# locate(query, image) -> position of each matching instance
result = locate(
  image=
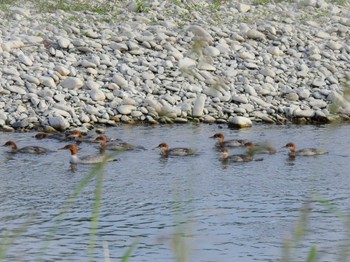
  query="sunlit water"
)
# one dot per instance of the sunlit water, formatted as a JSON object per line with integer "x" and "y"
{"x": 234, "y": 212}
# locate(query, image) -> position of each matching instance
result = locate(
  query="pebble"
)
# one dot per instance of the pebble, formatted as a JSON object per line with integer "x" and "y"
{"x": 25, "y": 59}
{"x": 72, "y": 83}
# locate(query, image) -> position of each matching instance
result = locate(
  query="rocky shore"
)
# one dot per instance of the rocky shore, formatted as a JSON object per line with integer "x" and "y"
{"x": 174, "y": 62}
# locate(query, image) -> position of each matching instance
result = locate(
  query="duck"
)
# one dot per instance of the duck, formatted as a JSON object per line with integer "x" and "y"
{"x": 75, "y": 159}
{"x": 259, "y": 148}
{"x": 79, "y": 137}
{"x": 177, "y": 151}
{"x": 27, "y": 149}
{"x": 303, "y": 152}
{"x": 58, "y": 136}
{"x": 228, "y": 143}
{"x": 113, "y": 145}
{"x": 237, "y": 157}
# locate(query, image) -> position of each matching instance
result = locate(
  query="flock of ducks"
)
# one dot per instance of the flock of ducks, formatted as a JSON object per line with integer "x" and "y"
{"x": 75, "y": 137}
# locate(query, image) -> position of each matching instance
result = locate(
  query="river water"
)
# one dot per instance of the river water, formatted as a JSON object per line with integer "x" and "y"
{"x": 195, "y": 207}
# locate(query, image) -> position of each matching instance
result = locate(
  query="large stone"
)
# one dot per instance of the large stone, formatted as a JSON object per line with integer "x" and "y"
{"x": 120, "y": 80}
{"x": 58, "y": 122}
{"x": 97, "y": 95}
{"x": 239, "y": 122}
{"x": 126, "y": 109}
{"x": 72, "y": 83}
{"x": 201, "y": 33}
{"x": 63, "y": 42}
{"x": 25, "y": 59}
{"x": 198, "y": 106}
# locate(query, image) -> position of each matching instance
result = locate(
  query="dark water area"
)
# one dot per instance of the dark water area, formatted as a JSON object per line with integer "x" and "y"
{"x": 233, "y": 212}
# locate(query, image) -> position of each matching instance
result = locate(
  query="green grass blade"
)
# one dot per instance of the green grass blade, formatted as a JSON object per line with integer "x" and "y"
{"x": 312, "y": 254}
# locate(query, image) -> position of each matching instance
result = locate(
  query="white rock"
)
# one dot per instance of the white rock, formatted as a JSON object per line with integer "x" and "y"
{"x": 274, "y": 50}
{"x": 63, "y": 42}
{"x": 148, "y": 75}
{"x": 126, "y": 109}
{"x": 255, "y": 34}
{"x": 92, "y": 85}
{"x": 176, "y": 54}
{"x": 323, "y": 35}
{"x": 31, "y": 79}
{"x": 25, "y": 59}
{"x": 246, "y": 55}
{"x": 91, "y": 110}
{"x": 7, "y": 46}
{"x": 239, "y": 122}
{"x": 62, "y": 70}
{"x": 268, "y": 72}
{"x": 136, "y": 114}
{"x": 97, "y": 95}
{"x": 334, "y": 45}
{"x": 240, "y": 99}
{"x": 198, "y": 106}
{"x": 260, "y": 102}
{"x": 243, "y": 8}
{"x": 34, "y": 39}
{"x": 211, "y": 51}
{"x": 209, "y": 119}
{"x": 59, "y": 97}
{"x": 16, "y": 89}
{"x": 84, "y": 118}
{"x": 120, "y": 80}
{"x": 168, "y": 64}
{"x": 72, "y": 83}
{"x": 47, "y": 81}
{"x": 58, "y": 123}
{"x": 201, "y": 33}
{"x": 250, "y": 90}
{"x": 304, "y": 113}
{"x": 303, "y": 93}
{"x": 318, "y": 103}
{"x": 10, "y": 70}
{"x": 206, "y": 66}
{"x": 186, "y": 63}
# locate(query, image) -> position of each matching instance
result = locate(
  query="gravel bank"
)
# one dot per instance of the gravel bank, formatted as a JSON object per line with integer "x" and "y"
{"x": 170, "y": 62}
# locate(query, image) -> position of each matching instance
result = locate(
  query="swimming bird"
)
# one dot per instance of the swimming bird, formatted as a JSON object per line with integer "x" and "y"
{"x": 237, "y": 157}
{"x": 259, "y": 148}
{"x": 75, "y": 159}
{"x": 79, "y": 137}
{"x": 227, "y": 143}
{"x": 26, "y": 149}
{"x": 58, "y": 136}
{"x": 113, "y": 145}
{"x": 177, "y": 151}
{"x": 303, "y": 152}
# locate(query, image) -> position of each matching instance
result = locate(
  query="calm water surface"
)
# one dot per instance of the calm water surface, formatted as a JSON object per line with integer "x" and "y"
{"x": 235, "y": 212}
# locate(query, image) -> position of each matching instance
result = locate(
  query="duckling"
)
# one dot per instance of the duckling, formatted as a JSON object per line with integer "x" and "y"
{"x": 259, "y": 148}
{"x": 114, "y": 145}
{"x": 235, "y": 158}
{"x": 26, "y": 149}
{"x": 227, "y": 143}
{"x": 177, "y": 151}
{"x": 79, "y": 137}
{"x": 75, "y": 159}
{"x": 303, "y": 152}
{"x": 58, "y": 136}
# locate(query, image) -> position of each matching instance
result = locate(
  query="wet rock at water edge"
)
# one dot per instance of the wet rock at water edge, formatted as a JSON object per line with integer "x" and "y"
{"x": 239, "y": 122}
